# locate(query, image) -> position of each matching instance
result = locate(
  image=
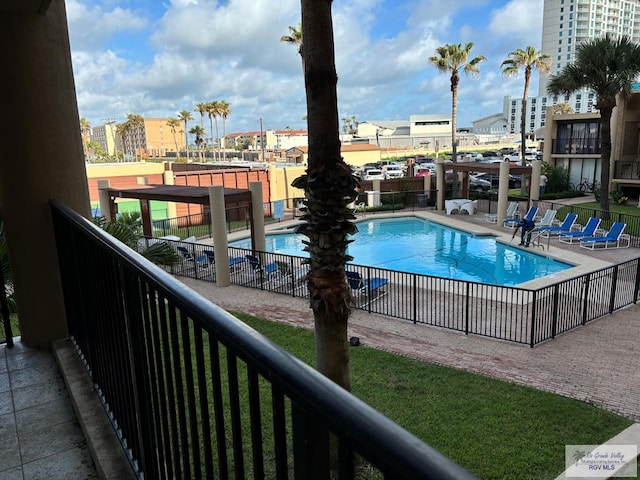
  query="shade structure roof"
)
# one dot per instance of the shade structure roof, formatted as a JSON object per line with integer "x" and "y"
{"x": 178, "y": 194}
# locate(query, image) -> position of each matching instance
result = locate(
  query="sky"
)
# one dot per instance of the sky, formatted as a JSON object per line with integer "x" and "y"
{"x": 156, "y": 58}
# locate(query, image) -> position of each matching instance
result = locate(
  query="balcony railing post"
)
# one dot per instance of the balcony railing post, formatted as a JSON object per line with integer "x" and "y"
{"x": 311, "y": 446}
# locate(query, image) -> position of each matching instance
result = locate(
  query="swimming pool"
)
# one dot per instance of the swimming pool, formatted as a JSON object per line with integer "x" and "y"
{"x": 415, "y": 245}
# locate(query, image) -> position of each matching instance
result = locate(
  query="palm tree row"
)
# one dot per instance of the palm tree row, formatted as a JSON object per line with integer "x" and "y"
{"x": 214, "y": 110}
{"x": 129, "y": 135}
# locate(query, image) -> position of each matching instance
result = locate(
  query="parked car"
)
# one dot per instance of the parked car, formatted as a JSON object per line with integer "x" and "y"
{"x": 507, "y": 151}
{"x": 494, "y": 179}
{"x": 393, "y": 171}
{"x": 373, "y": 174}
{"x": 476, "y": 183}
{"x": 430, "y": 166}
{"x": 423, "y": 172}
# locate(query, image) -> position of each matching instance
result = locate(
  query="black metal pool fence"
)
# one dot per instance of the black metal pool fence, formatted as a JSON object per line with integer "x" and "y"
{"x": 521, "y": 315}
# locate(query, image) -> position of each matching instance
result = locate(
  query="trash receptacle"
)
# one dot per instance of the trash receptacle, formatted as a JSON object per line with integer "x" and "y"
{"x": 422, "y": 200}
{"x": 373, "y": 198}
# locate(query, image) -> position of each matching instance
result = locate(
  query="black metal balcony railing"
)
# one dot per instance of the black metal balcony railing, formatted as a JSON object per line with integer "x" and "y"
{"x": 195, "y": 393}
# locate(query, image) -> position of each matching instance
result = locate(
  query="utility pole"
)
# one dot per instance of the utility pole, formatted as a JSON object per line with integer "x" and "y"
{"x": 262, "y": 141}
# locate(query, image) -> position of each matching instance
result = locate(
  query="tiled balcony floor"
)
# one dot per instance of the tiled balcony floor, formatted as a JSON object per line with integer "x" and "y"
{"x": 39, "y": 435}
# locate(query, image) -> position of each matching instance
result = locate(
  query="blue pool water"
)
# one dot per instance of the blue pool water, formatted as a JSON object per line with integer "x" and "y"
{"x": 419, "y": 246}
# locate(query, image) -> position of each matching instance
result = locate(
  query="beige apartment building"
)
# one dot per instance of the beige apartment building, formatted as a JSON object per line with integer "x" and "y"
{"x": 152, "y": 139}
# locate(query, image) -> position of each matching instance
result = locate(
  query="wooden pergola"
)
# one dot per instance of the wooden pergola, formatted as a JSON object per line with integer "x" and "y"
{"x": 172, "y": 193}
{"x": 479, "y": 167}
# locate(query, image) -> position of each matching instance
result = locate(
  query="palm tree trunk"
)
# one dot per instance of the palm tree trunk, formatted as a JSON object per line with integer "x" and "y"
{"x": 454, "y": 119}
{"x": 329, "y": 186}
{"x": 213, "y": 149}
{"x": 605, "y": 156}
{"x": 217, "y": 137}
{"x": 224, "y": 136}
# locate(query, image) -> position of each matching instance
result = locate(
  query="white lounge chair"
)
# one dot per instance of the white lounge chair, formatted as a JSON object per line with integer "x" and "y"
{"x": 547, "y": 219}
{"x": 512, "y": 210}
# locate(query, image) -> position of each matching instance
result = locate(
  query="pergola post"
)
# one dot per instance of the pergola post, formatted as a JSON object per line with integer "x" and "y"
{"x": 219, "y": 233}
{"x": 503, "y": 191}
{"x": 440, "y": 184}
{"x": 536, "y": 170}
{"x": 257, "y": 222}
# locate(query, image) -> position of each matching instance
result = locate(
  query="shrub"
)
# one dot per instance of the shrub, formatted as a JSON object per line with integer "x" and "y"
{"x": 557, "y": 178}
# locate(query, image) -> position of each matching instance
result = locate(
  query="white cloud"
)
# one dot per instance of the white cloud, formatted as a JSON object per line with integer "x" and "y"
{"x": 162, "y": 58}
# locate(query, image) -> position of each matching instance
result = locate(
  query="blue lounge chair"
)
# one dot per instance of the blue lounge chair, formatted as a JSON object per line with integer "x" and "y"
{"x": 234, "y": 262}
{"x": 197, "y": 260}
{"x": 269, "y": 269}
{"x": 371, "y": 288}
{"x": 565, "y": 226}
{"x": 513, "y": 222}
{"x": 614, "y": 238}
{"x": 588, "y": 231}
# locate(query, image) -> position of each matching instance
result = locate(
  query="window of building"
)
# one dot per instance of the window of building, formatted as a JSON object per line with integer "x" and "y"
{"x": 578, "y": 137}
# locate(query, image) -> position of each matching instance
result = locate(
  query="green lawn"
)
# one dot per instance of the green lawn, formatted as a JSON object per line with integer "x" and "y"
{"x": 495, "y": 429}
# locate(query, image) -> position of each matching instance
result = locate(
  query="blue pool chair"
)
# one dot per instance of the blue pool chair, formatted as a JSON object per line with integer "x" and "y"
{"x": 234, "y": 262}
{"x": 564, "y": 227}
{"x": 588, "y": 231}
{"x": 197, "y": 260}
{"x": 614, "y": 238}
{"x": 514, "y": 222}
{"x": 269, "y": 269}
{"x": 371, "y": 288}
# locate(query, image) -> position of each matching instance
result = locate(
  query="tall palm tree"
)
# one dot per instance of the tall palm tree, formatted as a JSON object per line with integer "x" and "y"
{"x": 224, "y": 111}
{"x": 529, "y": 59}
{"x": 173, "y": 124}
{"x": 123, "y": 130}
{"x": 199, "y": 133}
{"x": 295, "y": 38}
{"x": 136, "y": 122}
{"x": 607, "y": 66}
{"x": 451, "y": 59}
{"x": 212, "y": 112}
{"x": 329, "y": 186}
{"x": 85, "y": 129}
{"x": 184, "y": 116}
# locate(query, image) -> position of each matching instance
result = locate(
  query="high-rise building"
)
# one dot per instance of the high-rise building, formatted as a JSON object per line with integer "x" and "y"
{"x": 566, "y": 24}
